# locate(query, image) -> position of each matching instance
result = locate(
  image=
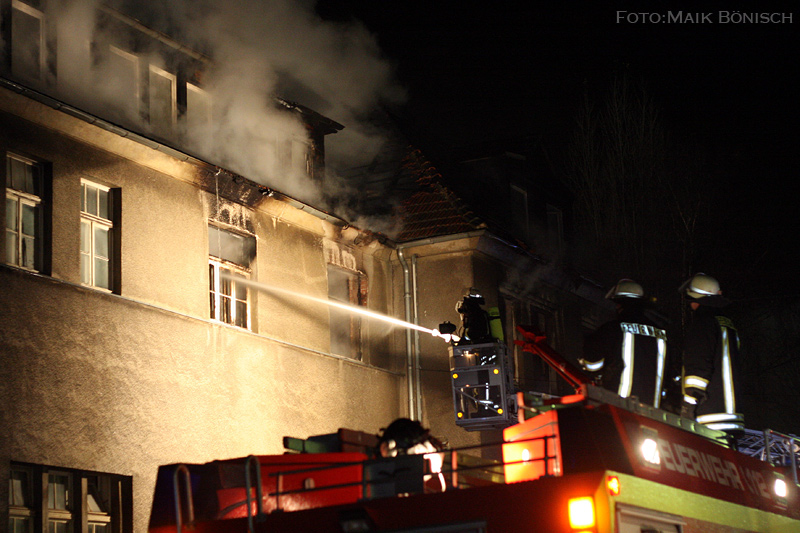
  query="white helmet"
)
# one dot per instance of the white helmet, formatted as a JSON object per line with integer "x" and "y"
{"x": 700, "y": 285}
{"x": 625, "y": 288}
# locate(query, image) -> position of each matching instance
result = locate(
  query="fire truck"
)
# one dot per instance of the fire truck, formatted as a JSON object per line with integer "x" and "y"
{"x": 585, "y": 462}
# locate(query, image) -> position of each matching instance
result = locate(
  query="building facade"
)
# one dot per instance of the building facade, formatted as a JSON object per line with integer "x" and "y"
{"x": 158, "y": 307}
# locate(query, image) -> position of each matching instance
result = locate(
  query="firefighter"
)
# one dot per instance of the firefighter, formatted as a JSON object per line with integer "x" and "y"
{"x": 710, "y": 355}
{"x": 475, "y": 328}
{"x": 628, "y": 355}
{"x": 407, "y": 437}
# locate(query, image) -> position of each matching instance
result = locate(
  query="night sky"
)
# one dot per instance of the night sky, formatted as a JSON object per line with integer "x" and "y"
{"x": 486, "y": 71}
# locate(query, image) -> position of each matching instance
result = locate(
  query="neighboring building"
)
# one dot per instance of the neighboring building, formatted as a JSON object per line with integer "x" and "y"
{"x": 130, "y": 335}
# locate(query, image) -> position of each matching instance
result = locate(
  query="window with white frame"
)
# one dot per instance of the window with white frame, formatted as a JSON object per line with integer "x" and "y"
{"x": 163, "y": 108}
{"x": 23, "y": 215}
{"x": 59, "y": 500}
{"x": 229, "y": 263}
{"x": 27, "y": 41}
{"x": 97, "y": 236}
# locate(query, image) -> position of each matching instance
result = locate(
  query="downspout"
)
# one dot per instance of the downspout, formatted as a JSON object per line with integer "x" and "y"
{"x": 409, "y": 350}
{"x": 417, "y": 380}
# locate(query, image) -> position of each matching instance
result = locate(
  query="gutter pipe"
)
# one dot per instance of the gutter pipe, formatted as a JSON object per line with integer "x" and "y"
{"x": 412, "y": 411}
{"x": 415, "y": 306}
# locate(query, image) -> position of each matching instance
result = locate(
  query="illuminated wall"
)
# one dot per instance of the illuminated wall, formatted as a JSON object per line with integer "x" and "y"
{"x": 121, "y": 382}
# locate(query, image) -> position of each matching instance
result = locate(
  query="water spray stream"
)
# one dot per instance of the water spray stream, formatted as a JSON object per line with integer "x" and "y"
{"x": 331, "y": 303}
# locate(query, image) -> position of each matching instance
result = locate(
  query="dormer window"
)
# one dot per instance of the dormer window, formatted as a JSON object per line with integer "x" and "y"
{"x": 27, "y": 41}
{"x": 163, "y": 108}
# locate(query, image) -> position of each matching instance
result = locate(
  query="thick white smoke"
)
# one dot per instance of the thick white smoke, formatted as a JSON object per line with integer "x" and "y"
{"x": 257, "y": 50}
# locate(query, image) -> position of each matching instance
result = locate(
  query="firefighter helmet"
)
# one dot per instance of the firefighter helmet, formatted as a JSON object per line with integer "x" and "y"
{"x": 625, "y": 288}
{"x": 700, "y": 285}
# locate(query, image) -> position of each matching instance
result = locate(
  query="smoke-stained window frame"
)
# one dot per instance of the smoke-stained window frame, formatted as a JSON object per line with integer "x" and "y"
{"x": 17, "y": 70}
{"x": 135, "y": 104}
{"x": 152, "y": 71}
{"x": 358, "y": 291}
{"x": 307, "y": 152}
{"x": 215, "y": 265}
{"x": 190, "y": 123}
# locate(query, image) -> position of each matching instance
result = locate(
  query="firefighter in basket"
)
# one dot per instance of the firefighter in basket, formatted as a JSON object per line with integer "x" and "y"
{"x": 710, "y": 357}
{"x": 628, "y": 355}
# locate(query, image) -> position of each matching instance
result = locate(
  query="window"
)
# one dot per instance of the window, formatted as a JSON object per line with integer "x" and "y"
{"x": 301, "y": 157}
{"x": 531, "y": 372}
{"x": 23, "y": 213}
{"x": 58, "y": 500}
{"x": 349, "y": 288}
{"x": 123, "y": 81}
{"x": 97, "y": 236}
{"x": 20, "y": 503}
{"x": 519, "y": 210}
{"x": 27, "y": 41}
{"x": 98, "y": 504}
{"x": 230, "y": 257}
{"x": 555, "y": 225}
{"x": 198, "y": 111}
{"x": 162, "y": 100}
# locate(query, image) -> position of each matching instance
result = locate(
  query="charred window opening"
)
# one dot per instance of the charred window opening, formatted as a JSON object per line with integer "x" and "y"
{"x": 98, "y": 243}
{"x": 301, "y": 158}
{"x": 230, "y": 258}
{"x": 349, "y": 288}
{"x": 42, "y": 498}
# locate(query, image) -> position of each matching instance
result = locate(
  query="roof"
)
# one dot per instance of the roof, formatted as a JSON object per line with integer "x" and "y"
{"x": 433, "y": 209}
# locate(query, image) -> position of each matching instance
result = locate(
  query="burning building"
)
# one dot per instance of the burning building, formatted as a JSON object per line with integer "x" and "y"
{"x": 138, "y": 212}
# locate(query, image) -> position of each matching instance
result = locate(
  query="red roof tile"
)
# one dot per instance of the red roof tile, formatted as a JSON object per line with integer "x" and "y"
{"x": 433, "y": 210}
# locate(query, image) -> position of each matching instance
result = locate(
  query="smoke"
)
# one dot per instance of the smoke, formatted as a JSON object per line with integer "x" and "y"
{"x": 242, "y": 54}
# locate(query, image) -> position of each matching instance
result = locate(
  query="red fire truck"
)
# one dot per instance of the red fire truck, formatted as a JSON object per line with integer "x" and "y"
{"x": 587, "y": 462}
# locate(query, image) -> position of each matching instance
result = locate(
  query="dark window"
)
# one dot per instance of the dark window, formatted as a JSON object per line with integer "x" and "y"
{"x": 27, "y": 41}
{"x": 61, "y": 500}
{"x": 24, "y": 213}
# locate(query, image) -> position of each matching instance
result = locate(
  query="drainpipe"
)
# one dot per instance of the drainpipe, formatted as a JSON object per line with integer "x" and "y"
{"x": 412, "y": 406}
{"x": 417, "y": 365}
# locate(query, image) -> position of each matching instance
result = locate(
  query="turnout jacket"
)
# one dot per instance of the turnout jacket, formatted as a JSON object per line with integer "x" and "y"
{"x": 710, "y": 360}
{"x": 630, "y": 354}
